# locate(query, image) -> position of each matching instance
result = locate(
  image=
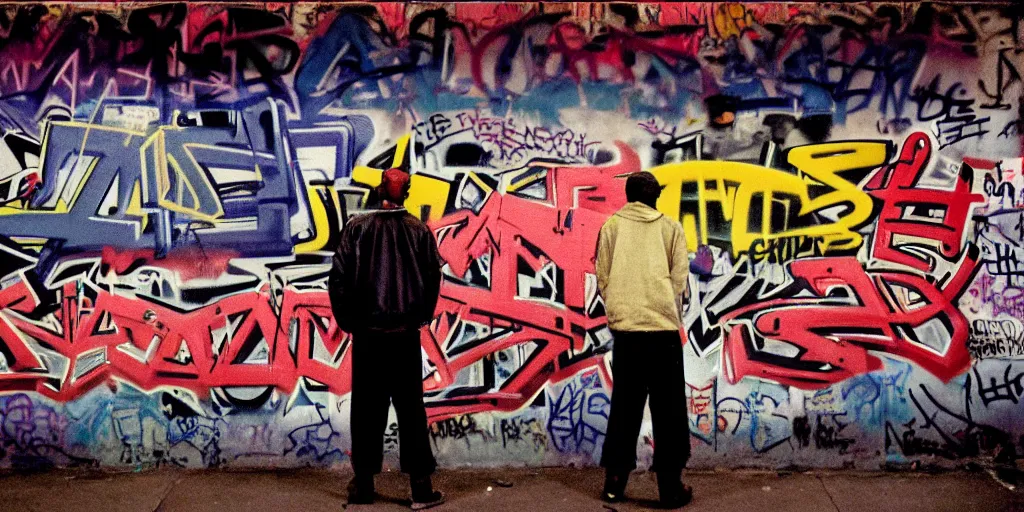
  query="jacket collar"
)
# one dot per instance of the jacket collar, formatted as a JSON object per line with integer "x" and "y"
{"x": 639, "y": 212}
{"x": 379, "y": 211}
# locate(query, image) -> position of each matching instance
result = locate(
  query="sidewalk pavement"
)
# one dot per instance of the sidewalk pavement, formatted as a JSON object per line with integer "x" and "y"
{"x": 529, "y": 490}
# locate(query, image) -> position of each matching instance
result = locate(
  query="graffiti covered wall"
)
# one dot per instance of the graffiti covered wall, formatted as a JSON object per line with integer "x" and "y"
{"x": 173, "y": 178}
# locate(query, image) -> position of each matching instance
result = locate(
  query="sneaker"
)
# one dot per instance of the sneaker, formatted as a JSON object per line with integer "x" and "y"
{"x": 672, "y": 492}
{"x": 614, "y": 487}
{"x": 433, "y": 499}
{"x": 361, "y": 492}
{"x": 679, "y": 499}
{"x": 423, "y": 494}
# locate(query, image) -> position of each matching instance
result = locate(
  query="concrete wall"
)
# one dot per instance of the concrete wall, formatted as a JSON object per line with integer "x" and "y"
{"x": 174, "y": 177}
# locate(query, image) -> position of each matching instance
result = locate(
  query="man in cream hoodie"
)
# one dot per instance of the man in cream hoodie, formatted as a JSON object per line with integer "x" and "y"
{"x": 642, "y": 268}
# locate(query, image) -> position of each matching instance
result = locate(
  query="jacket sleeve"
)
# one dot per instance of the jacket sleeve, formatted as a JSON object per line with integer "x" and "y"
{"x": 680, "y": 265}
{"x": 340, "y": 280}
{"x": 432, "y": 276}
{"x": 603, "y": 260}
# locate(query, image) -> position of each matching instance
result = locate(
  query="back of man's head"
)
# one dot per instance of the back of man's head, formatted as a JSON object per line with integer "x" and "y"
{"x": 643, "y": 187}
{"x": 394, "y": 186}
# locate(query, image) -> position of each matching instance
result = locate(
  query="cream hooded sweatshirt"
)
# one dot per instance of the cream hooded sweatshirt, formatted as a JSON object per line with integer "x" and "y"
{"x": 642, "y": 269}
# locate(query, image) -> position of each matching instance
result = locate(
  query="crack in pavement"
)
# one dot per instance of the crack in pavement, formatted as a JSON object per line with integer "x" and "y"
{"x": 160, "y": 504}
{"x": 827, "y": 493}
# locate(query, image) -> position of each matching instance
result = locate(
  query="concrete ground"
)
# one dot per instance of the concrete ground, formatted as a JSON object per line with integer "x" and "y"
{"x": 501, "y": 490}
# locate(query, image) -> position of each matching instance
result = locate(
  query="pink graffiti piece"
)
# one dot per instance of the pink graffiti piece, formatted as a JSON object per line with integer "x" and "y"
{"x": 532, "y": 230}
{"x": 241, "y": 341}
{"x": 549, "y": 227}
{"x": 822, "y": 339}
{"x": 911, "y": 211}
{"x": 577, "y": 200}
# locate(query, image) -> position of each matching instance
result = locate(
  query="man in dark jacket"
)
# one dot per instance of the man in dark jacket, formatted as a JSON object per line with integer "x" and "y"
{"x": 384, "y": 286}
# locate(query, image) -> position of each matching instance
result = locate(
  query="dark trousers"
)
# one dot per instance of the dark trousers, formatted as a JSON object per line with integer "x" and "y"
{"x": 647, "y": 363}
{"x": 387, "y": 368}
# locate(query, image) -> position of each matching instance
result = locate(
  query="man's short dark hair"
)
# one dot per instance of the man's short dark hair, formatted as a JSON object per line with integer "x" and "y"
{"x": 642, "y": 187}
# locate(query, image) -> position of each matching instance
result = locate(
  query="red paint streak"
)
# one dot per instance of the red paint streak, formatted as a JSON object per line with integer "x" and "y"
{"x": 488, "y": 16}
{"x": 188, "y": 262}
{"x": 700, "y": 398}
{"x": 980, "y": 163}
{"x": 393, "y": 15}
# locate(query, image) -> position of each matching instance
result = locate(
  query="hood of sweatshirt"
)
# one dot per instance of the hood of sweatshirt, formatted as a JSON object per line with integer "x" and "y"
{"x": 639, "y": 212}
